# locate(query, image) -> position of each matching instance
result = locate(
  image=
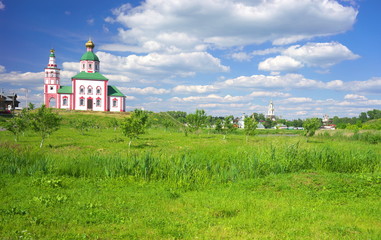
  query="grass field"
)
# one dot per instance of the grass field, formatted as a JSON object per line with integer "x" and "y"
{"x": 200, "y": 186}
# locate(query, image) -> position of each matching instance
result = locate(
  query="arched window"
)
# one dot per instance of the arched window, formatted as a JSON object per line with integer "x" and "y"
{"x": 89, "y": 90}
{"x": 81, "y": 90}
{"x": 64, "y": 101}
{"x": 115, "y": 102}
{"x": 89, "y": 65}
{"x": 98, "y": 102}
{"x": 99, "y": 89}
{"x": 82, "y": 101}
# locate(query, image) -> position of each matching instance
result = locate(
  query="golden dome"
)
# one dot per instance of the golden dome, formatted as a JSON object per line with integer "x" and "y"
{"x": 90, "y": 44}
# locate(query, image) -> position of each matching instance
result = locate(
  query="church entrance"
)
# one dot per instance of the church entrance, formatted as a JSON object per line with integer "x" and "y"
{"x": 89, "y": 104}
{"x": 52, "y": 103}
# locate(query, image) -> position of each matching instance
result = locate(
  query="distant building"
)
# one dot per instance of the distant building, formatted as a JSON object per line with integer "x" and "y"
{"x": 327, "y": 123}
{"x": 241, "y": 121}
{"x": 89, "y": 89}
{"x": 326, "y": 120}
{"x": 8, "y": 101}
{"x": 271, "y": 111}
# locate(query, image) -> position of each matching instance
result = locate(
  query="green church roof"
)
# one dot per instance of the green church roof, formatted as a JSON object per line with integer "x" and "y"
{"x": 65, "y": 89}
{"x": 113, "y": 91}
{"x": 89, "y": 56}
{"x": 90, "y": 76}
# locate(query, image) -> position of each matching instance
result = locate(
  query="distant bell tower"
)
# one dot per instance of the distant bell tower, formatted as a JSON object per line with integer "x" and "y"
{"x": 271, "y": 110}
{"x": 51, "y": 82}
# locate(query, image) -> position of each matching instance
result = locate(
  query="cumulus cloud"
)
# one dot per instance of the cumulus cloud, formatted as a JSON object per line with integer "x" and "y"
{"x": 280, "y": 63}
{"x": 144, "y": 91}
{"x": 280, "y": 81}
{"x": 209, "y": 98}
{"x": 372, "y": 86}
{"x": 269, "y": 94}
{"x": 355, "y": 97}
{"x": 18, "y": 78}
{"x": 241, "y": 56}
{"x": 320, "y": 54}
{"x": 90, "y": 21}
{"x": 298, "y": 81}
{"x": 194, "y": 88}
{"x": 2, "y": 6}
{"x": 155, "y": 65}
{"x": 2, "y": 69}
{"x": 298, "y": 100}
{"x": 173, "y": 25}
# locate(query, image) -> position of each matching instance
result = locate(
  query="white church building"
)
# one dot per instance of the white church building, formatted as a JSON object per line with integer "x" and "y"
{"x": 89, "y": 89}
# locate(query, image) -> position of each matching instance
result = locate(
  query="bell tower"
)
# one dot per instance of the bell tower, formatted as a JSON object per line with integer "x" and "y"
{"x": 51, "y": 82}
{"x": 270, "y": 112}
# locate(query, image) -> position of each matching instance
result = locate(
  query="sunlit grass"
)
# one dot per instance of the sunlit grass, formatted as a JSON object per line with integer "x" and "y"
{"x": 200, "y": 186}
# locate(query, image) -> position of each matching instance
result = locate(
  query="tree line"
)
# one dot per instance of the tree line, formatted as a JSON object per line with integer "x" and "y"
{"x": 44, "y": 122}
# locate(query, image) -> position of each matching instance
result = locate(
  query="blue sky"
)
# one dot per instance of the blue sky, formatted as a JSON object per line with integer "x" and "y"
{"x": 311, "y": 57}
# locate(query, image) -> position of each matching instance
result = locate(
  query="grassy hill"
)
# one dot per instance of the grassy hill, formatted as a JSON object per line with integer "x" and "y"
{"x": 201, "y": 186}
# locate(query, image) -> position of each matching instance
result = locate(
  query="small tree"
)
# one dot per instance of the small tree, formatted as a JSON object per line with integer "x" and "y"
{"x": 311, "y": 125}
{"x": 135, "y": 125}
{"x": 218, "y": 125}
{"x": 31, "y": 106}
{"x": 44, "y": 122}
{"x": 250, "y": 127}
{"x": 114, "y": 123}
{"x": 228, "y": 125}
{"x": 82, "y": 125}
{"x": 18, "y": 124}
{"x": 196, "y": 120}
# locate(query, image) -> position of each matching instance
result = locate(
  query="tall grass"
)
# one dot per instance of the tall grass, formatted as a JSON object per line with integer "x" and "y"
{"x": 191, "y": 167}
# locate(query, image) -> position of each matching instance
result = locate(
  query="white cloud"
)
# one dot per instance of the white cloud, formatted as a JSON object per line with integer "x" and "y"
{"x": 144, "y": 91}
{"x": 154, "y": 99}
{"x": 241, "y": 56}
{"x": 372, "y": 86}
{"x": 90, "y": 21}
{"x": 298, "y": 100}
{"x": 269, "y": 94}
{"x": 210, "y": 98}
{"x": 2, "y": 69}
{"x": 320, "y": 54}
{"x": 18, "y": 78}
{"x": 155, "y": 65}
{"x": 118, "y": 78}
{"x": 194, "y": 88}
{"x": 279, "y": 81}
{"x": 188, "y": 25}
{"x": 130, "y": 98}
{"x": 280, "y": 63}
{"x": 301, "y": 113}
{"x": 2, "y": 6}
{"x": 354, "y": 97}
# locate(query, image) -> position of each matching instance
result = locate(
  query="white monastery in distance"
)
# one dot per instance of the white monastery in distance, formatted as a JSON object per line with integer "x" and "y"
{"x": 89, "y": 90}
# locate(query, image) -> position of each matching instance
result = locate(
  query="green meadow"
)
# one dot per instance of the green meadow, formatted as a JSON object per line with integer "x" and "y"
{"x": 87, "y": 184}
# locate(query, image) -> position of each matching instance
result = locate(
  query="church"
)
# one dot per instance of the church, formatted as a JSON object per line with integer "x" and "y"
{"x": 89, "y": 89}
